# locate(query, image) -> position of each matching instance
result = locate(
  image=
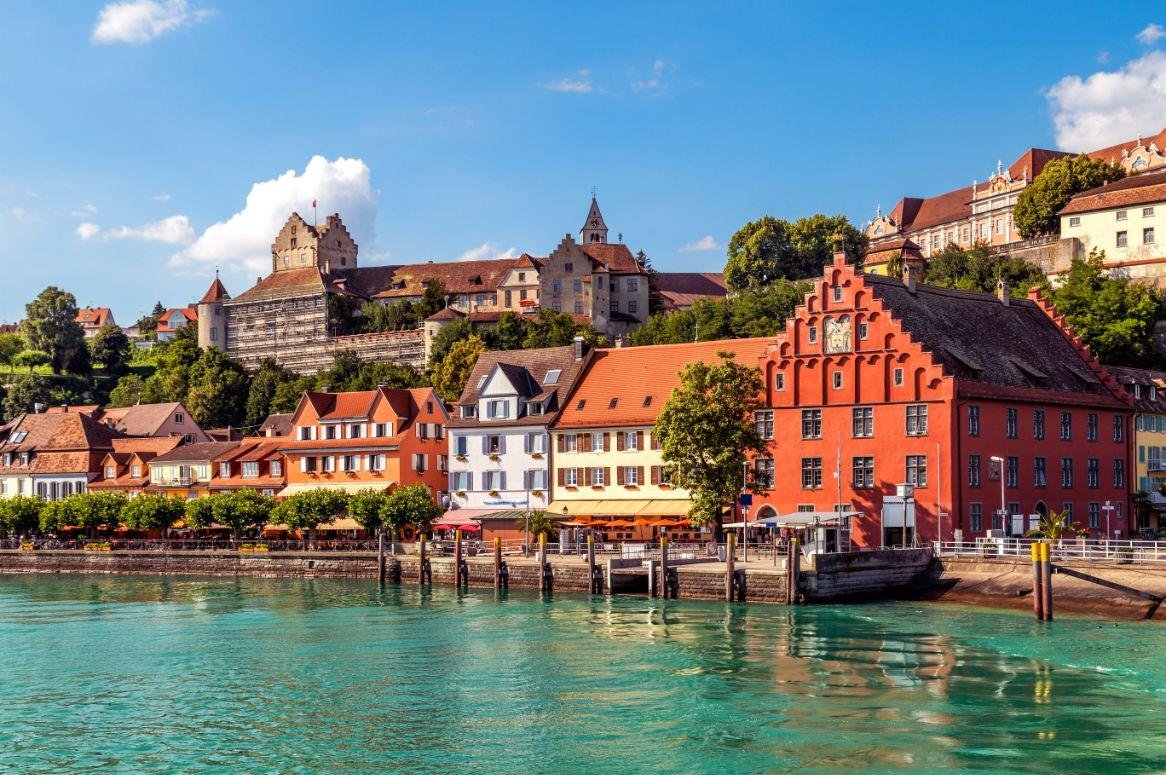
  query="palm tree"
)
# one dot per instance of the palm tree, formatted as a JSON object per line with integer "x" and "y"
{"x": 1054, "y": 527}
{"x": 540, "y": 523}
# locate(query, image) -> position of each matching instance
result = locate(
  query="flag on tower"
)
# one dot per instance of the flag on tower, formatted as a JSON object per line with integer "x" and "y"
{"x": 313, "y": 203}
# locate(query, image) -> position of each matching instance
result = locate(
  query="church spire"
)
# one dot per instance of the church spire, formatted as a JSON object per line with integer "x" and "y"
{"x": 594, "y": 229}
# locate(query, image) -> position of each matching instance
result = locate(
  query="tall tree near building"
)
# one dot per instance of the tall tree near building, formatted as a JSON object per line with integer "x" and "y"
{"x": 20, "y": 514}
{"x": 242, "y": 509}
{"x": 111, "y": 348}
{"x": 264, "y": 382}
{"x": 444, "y": 339}
{"x": 706, "y": 432}
{"x": 152, "y": 512}
{"x": 10, "y": 345}
{"x": 50, "y": 324}
{"x": 655, "y": 300}
{"x": 557, "y": 329}
{"x": 449, "y": 377}
{"x": 771, "y": 249}
{"x": 508, "y": 333}
{"x": 432, "y": 299}
{"x": 24, "y": 393}
{"x": 175, "y": 360}
{"x": 1115, "y": 316}
{"x": 366, "y": 507}
{"x": 1037, "y": 205}
{"x": 761, "y": 312}
{"x": 217, "y": 395}
{"x": 306, "y": 511}
{"x": 412, "y": 505}
{"x": 31, "y": 359}
{"x": 978, "y": 269}
{"x": 93, "y": 510}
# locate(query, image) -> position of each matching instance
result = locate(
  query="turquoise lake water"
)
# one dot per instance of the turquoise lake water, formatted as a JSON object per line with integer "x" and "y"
{"x": 223, "y": 675}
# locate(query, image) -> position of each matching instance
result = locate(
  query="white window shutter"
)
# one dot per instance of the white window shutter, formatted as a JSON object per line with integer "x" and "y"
{"x": 303, "y": 465}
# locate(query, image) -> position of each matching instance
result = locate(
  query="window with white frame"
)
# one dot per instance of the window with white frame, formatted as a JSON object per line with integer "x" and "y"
{"x": 462, "y": 481}
{"x": 571, "y": 477}
{"x": 251, "y": 469}
{"x": 917, "y": 420}
{"x": 276, "y": 467}
{"x": 597, "y": 477}
{"x": 225, "y": 470}
{"x": 631, "y": 440}
{"x": 348, "y": 463}
{"x": 377, "y": 462}
{"x": 631, "y": 476}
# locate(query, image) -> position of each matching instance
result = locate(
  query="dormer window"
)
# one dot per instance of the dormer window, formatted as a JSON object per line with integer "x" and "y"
{"x": 1137, "y": 390}
{"x": 19, "y": 436}
{"x": 552, "y": 377}
{"x": 136, "y": 472}
{"x": 24, "y": 458}
{"x": 534, "y": 407}
{"x": 497, "y": 410}
{"x": 110, "y": 472}
{"x": 469, "y": 411}
{"x": 482, "y": 381}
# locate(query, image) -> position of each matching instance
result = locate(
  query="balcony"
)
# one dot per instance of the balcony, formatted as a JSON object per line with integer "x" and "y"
{"x": 1156, "y": 466}
{"x": 173, "y": 481}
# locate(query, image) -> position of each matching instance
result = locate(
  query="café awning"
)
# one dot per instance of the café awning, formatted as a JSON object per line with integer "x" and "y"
{"x": 351, "y": 488}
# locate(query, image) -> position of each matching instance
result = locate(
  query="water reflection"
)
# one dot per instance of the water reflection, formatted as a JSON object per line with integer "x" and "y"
{"x": 322, "y": 675}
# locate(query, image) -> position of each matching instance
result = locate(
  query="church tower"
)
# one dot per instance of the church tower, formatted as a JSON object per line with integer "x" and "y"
{"x": 594, "y": 230}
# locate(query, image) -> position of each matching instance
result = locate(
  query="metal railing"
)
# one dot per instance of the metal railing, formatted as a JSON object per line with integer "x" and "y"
{"x": 1070, "y": 549}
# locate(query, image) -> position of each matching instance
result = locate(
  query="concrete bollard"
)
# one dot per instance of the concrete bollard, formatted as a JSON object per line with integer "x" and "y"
{"x": 1047, "y": 579}
{"x": 729, "y": 568}
{"x": 497, "y": 564}
{"x": 1038, "y": 595}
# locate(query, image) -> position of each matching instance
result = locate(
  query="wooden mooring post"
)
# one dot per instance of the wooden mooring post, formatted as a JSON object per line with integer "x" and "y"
{"x": 591, "y": 564}
{"x": 1038, "y": 594}
{"x": 729, "y": 572}
{"x": 664, "y": 589}
{"x": 424, "y": 560}
{"x": 381, "y": 557}
{"x": 497, "y": 563}
{"x": 459, "y": 571}
{"x": 1047, "y": 579}
{"x": 793, "y": 571}
{"x": 542, "y": 562}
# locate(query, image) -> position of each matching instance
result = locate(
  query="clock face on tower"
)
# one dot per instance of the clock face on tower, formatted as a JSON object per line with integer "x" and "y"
{"x": 594, "y": 222}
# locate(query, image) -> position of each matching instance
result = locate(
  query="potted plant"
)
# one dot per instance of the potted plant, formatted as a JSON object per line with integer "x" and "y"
{"x": 536, "y": 493}
{"x": 495, "y": 456}
{"x": 536, "y": 455}
{"x": 460, "y": 457}
{"x": 460, "y": 493}
{"x": 493, "y": 493}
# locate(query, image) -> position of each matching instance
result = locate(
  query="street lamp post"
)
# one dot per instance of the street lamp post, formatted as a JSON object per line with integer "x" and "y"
{"x": 1003, "y": 511}
{"x": 1107, "y": 508}
{"x": 744, "y": 512}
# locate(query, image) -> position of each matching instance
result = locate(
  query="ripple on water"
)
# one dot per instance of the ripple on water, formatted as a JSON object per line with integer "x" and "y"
{"x": 213, "y": 675}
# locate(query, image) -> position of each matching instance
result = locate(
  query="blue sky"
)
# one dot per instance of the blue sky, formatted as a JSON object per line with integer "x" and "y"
{"x": 131, "y": 129}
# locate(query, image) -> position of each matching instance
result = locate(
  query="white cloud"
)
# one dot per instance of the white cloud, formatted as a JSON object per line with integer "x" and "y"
{"x": 487, "y": 250}
{"x": 1108, "y": 107}
{"x": 21, "y": 214}
{"x": 85, "y": 210}
{"x": 707, "y": 242}
{"x": 1151, "y": 34}
{"x": 582, "y": 85}
{"x": 87, "y": 230}
{"x": 161, "y": 198}
{"x": 655, "y": 82}
{"x": 140, "y": 21}
{"x": 175, "y": 230}
{"x": 243, "y": 241}
{"x": 1103, "y": 57}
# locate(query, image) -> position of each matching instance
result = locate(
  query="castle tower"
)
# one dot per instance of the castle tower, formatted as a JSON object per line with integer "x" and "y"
{"x": 301, "y": 245}
{"x": 594, "y": 229}
{"x": 212, "y": 322}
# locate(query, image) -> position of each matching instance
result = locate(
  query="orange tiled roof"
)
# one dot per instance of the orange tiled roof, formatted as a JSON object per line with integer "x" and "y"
{"x": 1134, "y": 190}
{"x": 615, "y": 257}
{"x": 1113, "y": 153}
{"x": 189, "y": 314}
{"x": 142, "y": 419}
{"x": 342, "y": 406}
{"x": 633, "y": 375}
{"x": 216, "y": 293}
{"x": 93, "y": 317}
{"x": 457, "y": 277}
{"x": 280, "y": 284}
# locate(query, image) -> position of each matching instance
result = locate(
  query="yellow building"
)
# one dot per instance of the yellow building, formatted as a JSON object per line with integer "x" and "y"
{"x": 1127, "y": 220}
{"x": 606, "y": 468}
{"x": 185, "y": 472}
{"x": 1148, "y": 389}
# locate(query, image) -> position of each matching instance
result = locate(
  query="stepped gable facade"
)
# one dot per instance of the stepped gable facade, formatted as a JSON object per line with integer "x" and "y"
{"x": 881, "y": 383}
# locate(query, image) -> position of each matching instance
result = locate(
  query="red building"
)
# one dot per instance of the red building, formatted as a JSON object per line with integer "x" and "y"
{"x": 877, "y": 383}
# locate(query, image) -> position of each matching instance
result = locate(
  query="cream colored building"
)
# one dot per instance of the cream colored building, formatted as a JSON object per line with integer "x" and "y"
{"x": 1127, "y": 220}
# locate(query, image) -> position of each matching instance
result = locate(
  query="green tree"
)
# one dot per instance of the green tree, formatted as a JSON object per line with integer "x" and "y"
{"x": 55, "y": 515}
{"x": 759, "y": 253}
{"x": 31, "y": 359}
{"x": 111, "y": 348}
{"x": 24, "y": 392}
{"x": 92, "y": 510}
{"x": 10, "y": 345}
{"x": 706, "y": 432}
{"x": 387, "y": 373}
{"x": 288, "y": 394}
{"x": 242, "y": 509}
{"x": 218, "y": 390}
{"x": 50, "y": 324}
{"x": 152, "y": 512}
{"x": 175, "y": 360}
{"x": 20, "y": 514}
{"x": 557, "y": 329}
{"x": 1037, "y": 206}
{"x": 814, "y": 240}
{"x": 448, "y": 335}
{"x": 750, "y": 313}
{"x": 200, "y": 512}
{"x": 432, "y": 299}
{"x": 345, "y": 371}
{"x": 306, "y": 511}
{"x": 412, "y": 505}
{"x": 264, "y": 384}
{"x": 366, "y": 507}
{"x": 979, "y": 269}
{"x": 1113, "y": 315}
{"x": 449, "y": 377}
{"x": 508, "y": 333}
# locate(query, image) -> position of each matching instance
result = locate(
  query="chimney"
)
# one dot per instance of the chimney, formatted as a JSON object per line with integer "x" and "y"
{"x": 327, "y": 266}
{"x": 912, "y": 270}
{"x": 578, "y": 347}
{"x": 619, "y": 341}
{"x": 1002, "y": 292}
{"x": 839, "y": 258}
